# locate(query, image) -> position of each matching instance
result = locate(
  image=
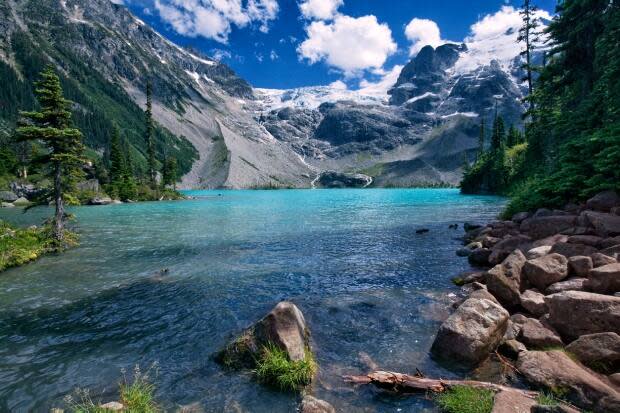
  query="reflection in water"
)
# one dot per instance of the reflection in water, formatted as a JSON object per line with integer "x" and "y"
{"x": 372, "y": 290}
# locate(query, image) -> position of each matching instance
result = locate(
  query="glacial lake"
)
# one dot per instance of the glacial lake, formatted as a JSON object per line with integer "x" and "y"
{"x": 368, "y": 285}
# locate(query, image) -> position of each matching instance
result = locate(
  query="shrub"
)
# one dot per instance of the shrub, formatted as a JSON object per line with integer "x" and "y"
{"x": 276, "y": 369}
{"x": 465, "y": 399}
{"x": 20, "y": 246}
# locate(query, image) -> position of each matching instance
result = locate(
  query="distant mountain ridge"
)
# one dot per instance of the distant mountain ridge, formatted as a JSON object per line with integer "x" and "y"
{"x": 228, "y": 134}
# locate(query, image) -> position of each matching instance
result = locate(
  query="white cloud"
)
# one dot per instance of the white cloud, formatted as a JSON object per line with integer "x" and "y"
{"x": 494, "y": 37}
{"x": 273, "y": 55}
{"x": 381, "y": 87}
{"x": 338, "y": 85}
{"x": 320, "y": 9}
{"x": 349, "y": 44}
{"x": 422, "y": 32}
{"x": 213, "y": 19}
{"x": 118, "y": 1}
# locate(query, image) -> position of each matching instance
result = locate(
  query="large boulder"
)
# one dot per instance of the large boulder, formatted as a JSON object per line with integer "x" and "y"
{"x": 284, "y": 327}
{"x": 104, "y": 200}
{"x": 505, "y": 247}
{"x": 507, "y": 401}
{"x": 577, "y": 313}
{"x": 571, "y": 250}
{"x": 333, "y": 179}
{"x": 544, "y": 271}
{"x": 541, "y": 227}
{"x": 604, "y": 280}
{"x": 597, "y": 350}
{"x": 534, "y": 303}
{"x": 504, "y": 280}
{"x": 556, "y": 372}
{"x": 538, "y": 252}
{"x": 479, "y": 257}
{"x": 599, "y": 260}
{"x": 580, "y": 266}
{"x": 311, "y": 404}
{"x": 591, "y": 240}
{"x": 604, "y": 224}
{"x": 609, "y": 242}
{"x": 8, "y": 196}
{"x": 471, "y": 332}
{"x": 604, "y": 201}
{"x": 572, "y": 284}
{"x": 537, "y": 336}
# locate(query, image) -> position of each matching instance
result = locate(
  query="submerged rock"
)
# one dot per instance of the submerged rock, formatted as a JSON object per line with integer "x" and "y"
{"x": 311, "y": 404}
{"x": 471, "y": 332}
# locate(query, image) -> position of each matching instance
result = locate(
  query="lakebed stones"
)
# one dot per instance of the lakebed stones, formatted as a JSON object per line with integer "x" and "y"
{"x": 471, "y": 332}
{"x": 283, "y": 327}
{"x": 555, "y": 371}
{"x": 311, "y": 404}
{"x": 544, "y": 271}
{"x": 605, "y": 279}
{"x": 576, "y": 313}
{"x": 597, "y": 350}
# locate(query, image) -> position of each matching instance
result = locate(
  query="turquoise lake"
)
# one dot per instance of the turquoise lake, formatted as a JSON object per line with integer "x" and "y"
{"x": 368, "y": 285}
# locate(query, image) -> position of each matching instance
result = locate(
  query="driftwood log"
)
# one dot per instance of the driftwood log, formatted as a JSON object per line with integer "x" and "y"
{"x": 404, "y": 383}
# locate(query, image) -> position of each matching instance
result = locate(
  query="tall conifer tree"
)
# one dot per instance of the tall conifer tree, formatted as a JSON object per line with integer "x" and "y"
{"x": 150, "y": 144}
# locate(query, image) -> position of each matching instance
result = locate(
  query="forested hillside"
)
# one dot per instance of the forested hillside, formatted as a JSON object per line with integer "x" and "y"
{"x": 572, "y": 142}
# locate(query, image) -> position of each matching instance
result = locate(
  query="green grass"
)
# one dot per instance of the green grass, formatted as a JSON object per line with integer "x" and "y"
{"x": 276, "y": 369}
{"x": 136, "y": 397}
{"x": 547, "y": 399}
{"x": 464, "y": 399}
{"x": 20, "y": 246}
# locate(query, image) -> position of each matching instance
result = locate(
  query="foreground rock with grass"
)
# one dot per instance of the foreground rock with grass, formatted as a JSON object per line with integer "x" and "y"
{"x": 277, "y": 348}
{"x": 554, "y": 283}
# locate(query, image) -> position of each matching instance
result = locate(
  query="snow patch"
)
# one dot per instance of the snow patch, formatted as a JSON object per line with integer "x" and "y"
{"x": 193, "y": 75}
{"x": 424, "y": 96}
{"x": 466, "y": 114}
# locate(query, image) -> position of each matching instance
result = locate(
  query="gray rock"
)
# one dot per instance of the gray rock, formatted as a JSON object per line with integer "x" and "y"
{"x": 604, "y": 224}
{"x": 311, "y": 404}
{"x": 544, "y": 271}
{"x": 471, "y": 332}
{"x": 553, "y": 370}
{"x": 333, "y": 179}
{"x": 603, "y": 201}
{"x": 511, "y": 348}
{"x": 537, "y": 336}
{"x": 609, "y": 242}
{"x": 483, "y": 294}
{"x": 534, "y": 302}
{"x": 538, "y": 252}
{"x": 504, "y": 280}
{"x": 8, "y": 196}
{"x": 600, "y": 260}
{"x": 512, "y": 402}
{"x": 100, "y": 201}
{"x": 542, "y": 227}
{"x": 21, "y": 201}
{"x": 580, "y": 266}
{"x": 604, "y": 280}
{"x": 591, "y": 240}
{"x": 571, "y": 250}
{"x": 520, "y": 217}
{"x": 572, "y": 284}
{"x": 112, "y": 406}
{"x": 504, "y": 248}
{"x": 602, "y": 349}
{"x": 612, "y": 251}
{"x": 577, "y": 313}
{"x": 479, "y": 257}
{"x": 6, "y": 205}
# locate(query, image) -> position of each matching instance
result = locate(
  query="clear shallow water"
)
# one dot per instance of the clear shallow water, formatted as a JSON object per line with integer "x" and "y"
{"x": 350, "y": 259}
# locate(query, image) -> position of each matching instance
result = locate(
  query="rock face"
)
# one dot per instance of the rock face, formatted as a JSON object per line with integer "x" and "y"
{"x": 504, "y": 280}
{"x": 332, "y": 179}
{"x": 536, "y": 336}
{"x": 544, "y": 271}
{"x": 604, "y": 280}
{"x": 555, "y": 371}
{"x": 604, "y": 201}
{"x": 284, "y": 327}
{"x": 311, "y": 404}
{"x": 474, "y": 330}
{"x": 577, "y": 313}
{"x": 602, "y": 349}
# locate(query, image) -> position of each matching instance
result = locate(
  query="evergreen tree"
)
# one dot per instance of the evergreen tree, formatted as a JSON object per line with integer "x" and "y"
{"x": 498, "y": 136}
{"x": 117, "y": 160}
{"x": 513, "y": 137}
{"x": 150, "y": 144}
{"x": 481, "y": 138}
{"x": 528, "y": 35}
{"x": 52, "y": 126}
{"x": 170, "y": 172}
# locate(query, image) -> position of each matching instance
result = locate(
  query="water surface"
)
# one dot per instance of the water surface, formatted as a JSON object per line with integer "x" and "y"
{"x": 368, "y": 285}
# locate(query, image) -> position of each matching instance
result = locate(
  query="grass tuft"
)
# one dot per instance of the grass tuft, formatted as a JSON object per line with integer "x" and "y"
{"x": 547, "y": 399}
{"x": 276, "y": 369}
{"x": 465, "y": 399}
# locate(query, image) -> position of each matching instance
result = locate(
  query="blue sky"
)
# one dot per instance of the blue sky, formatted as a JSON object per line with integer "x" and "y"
{"x": 293, "y": 43}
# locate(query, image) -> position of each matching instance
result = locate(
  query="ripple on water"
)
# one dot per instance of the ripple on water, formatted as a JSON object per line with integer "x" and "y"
{"x": 373, "y": 292}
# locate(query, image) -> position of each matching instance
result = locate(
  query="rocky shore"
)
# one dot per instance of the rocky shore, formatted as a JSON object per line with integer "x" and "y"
{"x": 547, "y": 297}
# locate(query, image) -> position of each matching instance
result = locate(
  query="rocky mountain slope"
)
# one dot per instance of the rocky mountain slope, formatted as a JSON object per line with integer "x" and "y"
{"x": 228, "y": 134}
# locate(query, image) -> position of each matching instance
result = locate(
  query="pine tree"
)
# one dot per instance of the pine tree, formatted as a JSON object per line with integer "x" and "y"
{"x": 150, "y": 144}
{"x": 117, "y": 160}
{"x": 170, "y": 172}
{"x": 128, "y": 189}
{"x": 529, "y": 36}
{"x": 481, "y": 138}
{"x": 498, "y": 136}
{"x": 513, "y": 137}
{"x": 52, "y": 126}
